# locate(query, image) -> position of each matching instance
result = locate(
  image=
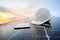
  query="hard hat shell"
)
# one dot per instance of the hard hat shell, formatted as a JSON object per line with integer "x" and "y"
{"x": 42, "y": 14}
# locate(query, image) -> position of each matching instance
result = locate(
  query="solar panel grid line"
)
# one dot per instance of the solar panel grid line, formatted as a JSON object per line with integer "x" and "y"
{"x": 13, "y": 35}
{"x": 37, "y": 37}
{"x": 46, "y": 34}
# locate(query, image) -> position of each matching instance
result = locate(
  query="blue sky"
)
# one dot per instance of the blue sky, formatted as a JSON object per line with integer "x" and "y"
{"x": 52, "y": 5}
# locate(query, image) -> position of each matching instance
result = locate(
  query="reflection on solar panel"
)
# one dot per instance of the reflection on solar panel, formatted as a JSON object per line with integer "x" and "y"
{"x": 34, "y": 33}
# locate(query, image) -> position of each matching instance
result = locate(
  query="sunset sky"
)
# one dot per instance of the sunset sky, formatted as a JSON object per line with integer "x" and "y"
{"x": 33, "y": 5}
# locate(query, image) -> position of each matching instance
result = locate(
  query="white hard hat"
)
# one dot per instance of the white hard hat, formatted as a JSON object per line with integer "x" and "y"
{"x": 42, "y": 14}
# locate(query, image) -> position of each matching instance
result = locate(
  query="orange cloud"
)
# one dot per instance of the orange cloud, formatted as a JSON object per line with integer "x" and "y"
{"x": 21, "y": 13}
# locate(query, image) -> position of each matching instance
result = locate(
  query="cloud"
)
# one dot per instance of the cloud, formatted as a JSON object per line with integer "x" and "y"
{"x": 33, "y": 5}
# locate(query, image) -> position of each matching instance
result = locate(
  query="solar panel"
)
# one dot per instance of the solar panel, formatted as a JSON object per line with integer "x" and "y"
{"x": 33, "y": 33}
